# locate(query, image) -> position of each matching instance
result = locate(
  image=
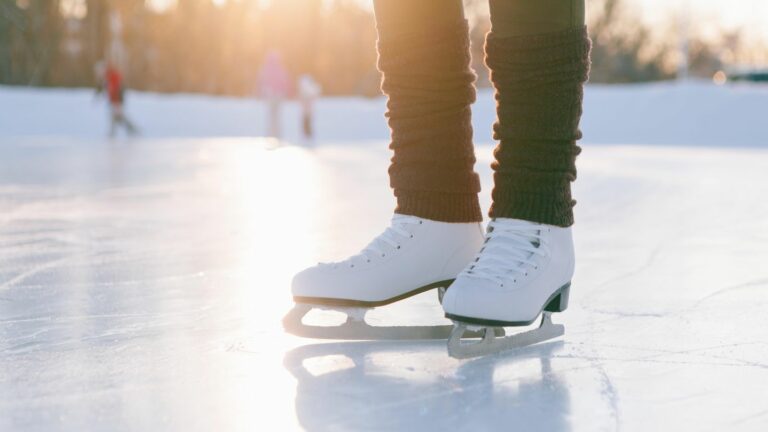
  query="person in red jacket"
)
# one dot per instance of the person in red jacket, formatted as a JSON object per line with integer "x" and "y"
{"x": 112, "y": 83}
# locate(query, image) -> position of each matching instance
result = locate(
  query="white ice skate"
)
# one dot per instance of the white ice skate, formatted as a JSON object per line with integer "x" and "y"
{"x": 523, "y": 270}
{"x": 411, "y": 256}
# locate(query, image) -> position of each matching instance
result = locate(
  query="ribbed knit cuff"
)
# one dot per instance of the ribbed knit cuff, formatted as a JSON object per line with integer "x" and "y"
{"x": 547, "y": 208}
{"x": 539, "y": 90}
{"x": 439, "y": 206}
{"x": 429, "y": 83}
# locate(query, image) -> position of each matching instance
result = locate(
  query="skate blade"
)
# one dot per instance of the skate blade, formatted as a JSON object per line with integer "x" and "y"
{"x": 491, "y": 344}
{"x": 355, "y": 328}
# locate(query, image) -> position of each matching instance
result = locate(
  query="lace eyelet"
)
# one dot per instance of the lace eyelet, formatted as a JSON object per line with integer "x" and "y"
{"x": 351, "y": 265}
{"x": 421, "y": 222}
{"x": 398, "y": 246}
{"x": 367, "y": 260}
{"x": 411, "y": 236}
{"x": 383, "y": 255}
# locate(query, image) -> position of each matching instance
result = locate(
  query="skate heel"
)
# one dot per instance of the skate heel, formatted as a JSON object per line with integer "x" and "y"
{"x": 559, "y": 302}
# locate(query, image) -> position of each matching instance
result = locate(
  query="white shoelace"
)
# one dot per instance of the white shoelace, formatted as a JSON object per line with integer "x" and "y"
{"x": 509, "y": 251}
{"x": 392, "y": 237}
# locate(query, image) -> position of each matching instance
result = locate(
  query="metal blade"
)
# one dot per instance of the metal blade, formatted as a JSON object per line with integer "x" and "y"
{"x": 358, "y": 329}
{"x": 491, "y": 344}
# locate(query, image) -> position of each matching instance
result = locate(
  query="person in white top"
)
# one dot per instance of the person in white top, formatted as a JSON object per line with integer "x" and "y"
{"x": 308, "y": 91}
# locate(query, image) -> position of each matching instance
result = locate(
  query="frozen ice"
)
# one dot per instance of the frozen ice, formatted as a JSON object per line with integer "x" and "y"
{"x": 142, "y": 284}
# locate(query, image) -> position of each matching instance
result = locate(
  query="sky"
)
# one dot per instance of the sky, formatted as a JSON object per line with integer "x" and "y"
{"x": 750, "y": 15}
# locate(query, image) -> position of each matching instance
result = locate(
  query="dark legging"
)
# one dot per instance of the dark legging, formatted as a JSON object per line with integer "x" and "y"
{"x": 538, "y": 54}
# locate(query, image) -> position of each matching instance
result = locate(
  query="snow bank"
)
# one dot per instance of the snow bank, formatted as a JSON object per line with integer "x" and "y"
{"x": 696, "y": 113}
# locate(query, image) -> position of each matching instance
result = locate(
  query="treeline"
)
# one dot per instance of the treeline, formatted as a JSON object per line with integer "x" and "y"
{"x": 194, "y": 46}
{"x": 217, "y": 46}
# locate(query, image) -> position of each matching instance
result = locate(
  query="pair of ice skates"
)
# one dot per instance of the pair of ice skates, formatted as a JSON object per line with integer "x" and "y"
{"x": 522, "y": 270}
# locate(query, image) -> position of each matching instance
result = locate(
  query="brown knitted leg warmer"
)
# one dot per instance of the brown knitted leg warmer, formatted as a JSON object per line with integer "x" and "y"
{"x": 539, "y": 90}
{"x": 430, "y": 88}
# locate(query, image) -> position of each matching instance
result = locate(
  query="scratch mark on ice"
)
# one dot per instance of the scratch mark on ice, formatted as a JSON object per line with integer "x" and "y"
{"x": 24, "y": 275}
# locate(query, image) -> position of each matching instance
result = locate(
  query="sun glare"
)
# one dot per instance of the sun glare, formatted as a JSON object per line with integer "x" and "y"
{"x": 73, "y": 8}
{"x": 720, "y": 78}
{"x": 161, "y": 5}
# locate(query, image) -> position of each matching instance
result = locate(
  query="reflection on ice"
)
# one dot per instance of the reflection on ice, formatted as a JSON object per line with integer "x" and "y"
{"x": 396, "y": 386}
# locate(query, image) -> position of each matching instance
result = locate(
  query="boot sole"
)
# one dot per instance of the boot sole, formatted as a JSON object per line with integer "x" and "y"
{"x": 557, "y": 302}
{"x": 329, "y": 301}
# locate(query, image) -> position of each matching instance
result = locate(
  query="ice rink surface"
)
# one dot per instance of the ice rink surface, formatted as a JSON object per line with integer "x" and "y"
{"x": 142, "y": 285}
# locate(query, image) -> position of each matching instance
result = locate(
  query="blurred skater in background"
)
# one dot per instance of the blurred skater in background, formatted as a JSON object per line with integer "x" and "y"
{"x": 308, "y": 91}
{"x": 274, "y": 86}
{"x": 110, "y": 79}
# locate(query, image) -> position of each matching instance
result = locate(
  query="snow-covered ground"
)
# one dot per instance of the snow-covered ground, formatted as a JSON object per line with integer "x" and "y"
{"x": 142, "y": 282}
{"x": 696, "y": 113}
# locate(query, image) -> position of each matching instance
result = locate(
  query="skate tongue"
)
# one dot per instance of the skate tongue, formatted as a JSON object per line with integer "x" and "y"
{"x": 389, "y": 239}
{"x": 398, "y": 218}
{"x": 512, "y": 222}
{"x": 511, "y": 242}
{"x": 506, "y": 224}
